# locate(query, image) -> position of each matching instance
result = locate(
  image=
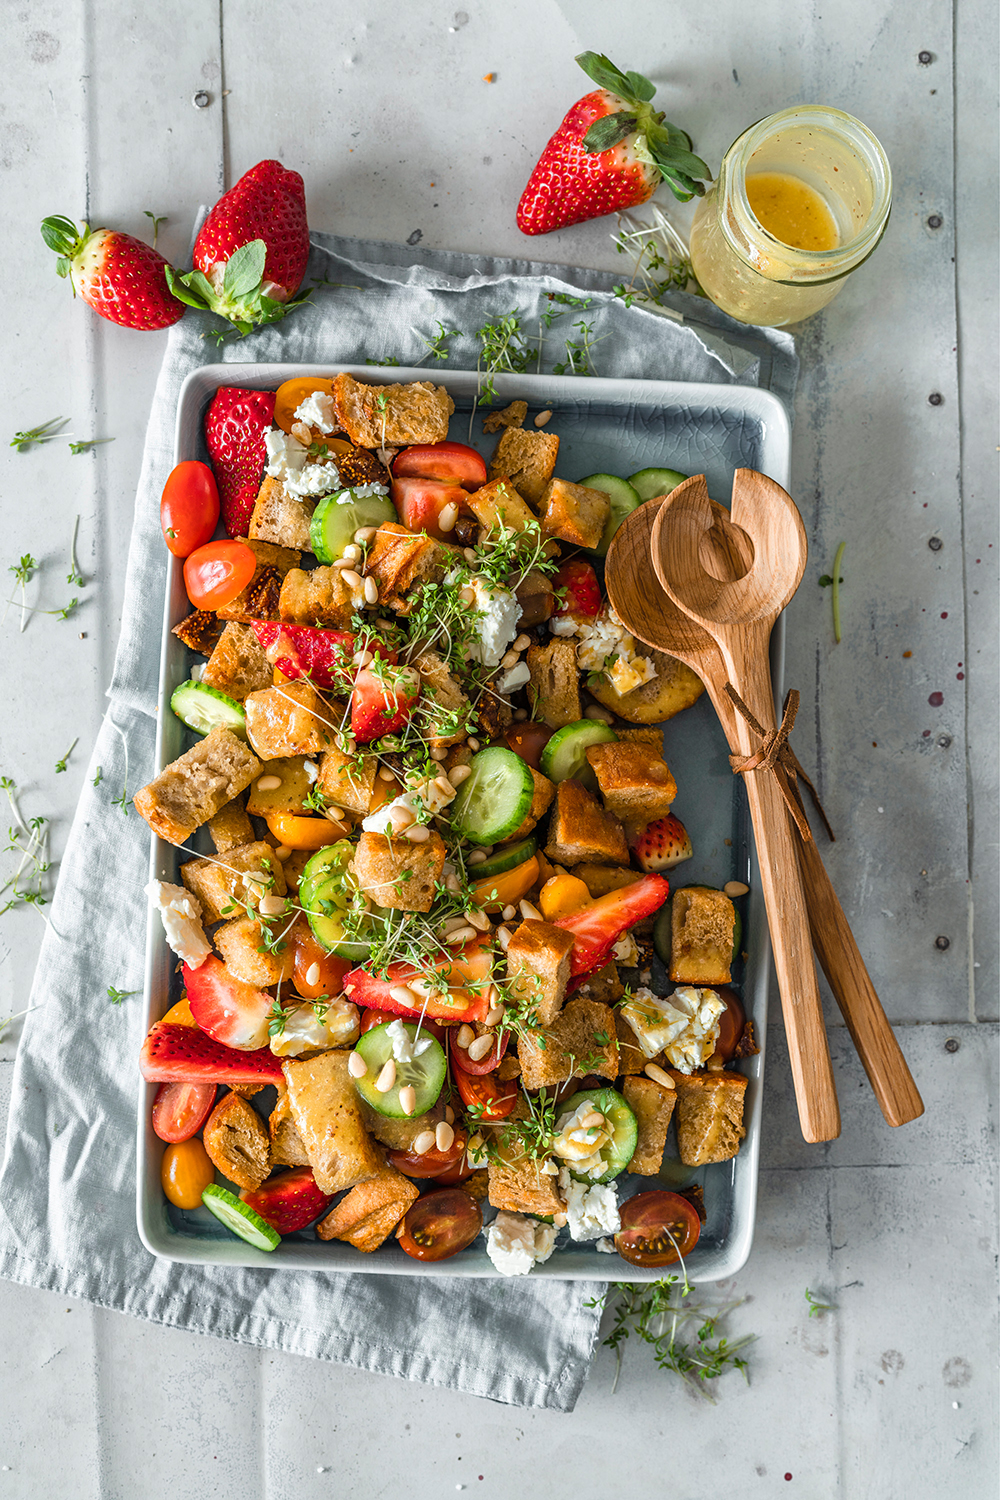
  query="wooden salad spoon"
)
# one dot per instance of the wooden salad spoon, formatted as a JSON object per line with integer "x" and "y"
{"x": 641, "y": 603}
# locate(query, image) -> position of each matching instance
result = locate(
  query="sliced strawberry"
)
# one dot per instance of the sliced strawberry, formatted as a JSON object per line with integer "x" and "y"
{"x": 235, "y": 427}
{"x": 577, "y": 591}
{"x": 473, "y": 966}
{"x": 231, "y": 1011}
{"x": 186, "y": 1054}
{"x": 117, "y": 275}
{"x": 324, "y": 656}
{"x": 661, "y": 845}
{"x": 290, "y": 1201}
{"x": 382, "y": 704}
{"x": 428, "y": 504}
{"x": 597, "y": 927}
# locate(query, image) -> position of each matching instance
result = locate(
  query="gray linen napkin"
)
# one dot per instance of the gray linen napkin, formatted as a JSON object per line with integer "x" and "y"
{"x": 68, "y": 1184}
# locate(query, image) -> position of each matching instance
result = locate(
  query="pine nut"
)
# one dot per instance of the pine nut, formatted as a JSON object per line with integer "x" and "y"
{"x": 530, "y": 913}
{"x": 479, "y": 920}
{"x": 418, "y": 834}
{"x": 302, "y": 433}
{"x": 356, "y": 1065}
{"x": 312, "y": 974}
{"x": 444, "y": 786}
{"x": 595, "y": 1118}
{"x": 272, "y": 906}
{"x": 366, "y": 533}
{"x": 384, "y": 774}
{"x": 439, "y": 753}
{"x": 268, "y": 783}
{"x": 472, "y": 744}
{"x": 351, "y": 552}
{"x": 385, "y": 624}
{"x": 371, "y": 591}
{"x": 495, "y": 1015}
{"x": 543, "y": 418}
{"x": 464, "y": 1037}
{"x": 659, "y": 1075}
{"x": 403, "y": 995}
{"x": 735, "y": 888}
{"x": 560, "y": 1220}
{"x": 458, "y": 774}
{"x": 460, "y": 935}
{"x": 477, "y": 857}
{"x": 520, "y": 714}
{"x": 452, "y": 884}
{"x": 387, "y": 1077}
{"x": 469, "y": 554}
{"x": 468, "y": 597}
{"x": 504, "y": 936}
{"x": 424, "y": 1142}
{"x": 509, "y": 913}
{"x": 362, "y": 658}
{"x": 341, "y": 563}
{"x": 400, "y": 819}
{"x": 444, "y": 1135}
{"x": 522, "y": 643}
{"x": 282, "y": 851}
{"x": 408, "y": 1099}
{"x": 600, "y": 715}
{"x": 453, "y": 924}
{"x": 449, "y": 1114}
{"x": 511, "y": 659}
{"x": 352, "y": 579}
{"x": 447, "y": 517}
{"x": 480, "y": 1047}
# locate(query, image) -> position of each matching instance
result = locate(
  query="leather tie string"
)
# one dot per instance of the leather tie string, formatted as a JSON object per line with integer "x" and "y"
{"x": 775, "y": 754}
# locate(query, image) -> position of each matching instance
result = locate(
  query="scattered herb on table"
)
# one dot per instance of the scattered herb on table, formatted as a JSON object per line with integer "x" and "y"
{"x": 833, "y": 582}
{"x": 85, "y": 444}
{"x": 74, "y": 575}
{"x": 157, "y": 221}
{"x": 816, "y": 1309}
{"x": 28, "y": 839}
{"x": 578, "y": 360}
{"x": 504, "y": 349}
{"x": 35, "y": 436}
{"x": 660, "y": 261}
{"x": 23, "y": 573}
{"x": 61, "y": 764}
{"x": 117, "y": 996}
{"x": 99, "y": 777}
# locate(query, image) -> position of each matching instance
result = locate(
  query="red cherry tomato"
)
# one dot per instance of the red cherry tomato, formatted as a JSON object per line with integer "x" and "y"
{"x": 440, "y": 1224}
{"x": 189, "y": 507}
{"x": 657, "y": 1229}
{"x": 433, "y": 1162}
{"x": 181, "y": 1109}
{"x": 216, "y": 573}
{"x": 453, "y": 1175}
{"x": 528, "y": 740}
{"x": 731, "y": 1023}
{"x": 488, "y": 1064}
{"x": 497, "y": 1099}
{"x": 421, "y": 501}
{"x": 453, "y": 462}
{"x": 370, "y": 1018}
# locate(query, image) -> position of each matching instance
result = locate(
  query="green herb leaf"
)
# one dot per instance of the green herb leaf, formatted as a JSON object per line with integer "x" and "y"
{"x": 35, "y": 436}
{"x": 244, "y": 270}
{"x": 86, "y": 445}
{"x": 117, "y": 996}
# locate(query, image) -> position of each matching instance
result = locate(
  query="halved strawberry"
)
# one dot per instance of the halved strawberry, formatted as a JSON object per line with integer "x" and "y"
{"x": 185, "y": 1054}
{"x": 231, "y": 1011}
{"x": 324, "y": 656}
{"x": 661, "y": 845}
{"x": 597, "y": 927}
{"x": 473, "y": 966}
{"x": 381, "y": 704}
{"x": 235, "y": 427}
{"x": 577, "y": 591}
{"x": 290, "y": 1201}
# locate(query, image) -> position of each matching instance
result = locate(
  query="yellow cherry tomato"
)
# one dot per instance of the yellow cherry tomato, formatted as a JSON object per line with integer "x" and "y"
{"x": 290, "y": 397}
{"x": 561, "y": 895}
{"x": 385, "y": 791}
{"x": 185, "y": 1172}
{"x": 497, "y": 891}
{"x": 180, "y": 1015}
{"x": 296, "y": 832}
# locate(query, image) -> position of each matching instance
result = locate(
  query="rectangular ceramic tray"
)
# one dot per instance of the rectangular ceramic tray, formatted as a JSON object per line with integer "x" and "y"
{"x": 605, "y": 426}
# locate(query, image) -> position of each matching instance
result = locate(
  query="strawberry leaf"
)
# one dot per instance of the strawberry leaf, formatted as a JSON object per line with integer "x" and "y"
{"x": 604, "y": 73}
{"x": 640, "y": 86}
{"x": 608, "y": 131}
{"x": 61, "y": 234}
{"x": 177, "y": 286}
{"x": 244, "y": 271}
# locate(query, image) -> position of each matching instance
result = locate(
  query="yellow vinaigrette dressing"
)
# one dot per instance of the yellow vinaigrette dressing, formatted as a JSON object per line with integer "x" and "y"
{"x": 791, "y": 211}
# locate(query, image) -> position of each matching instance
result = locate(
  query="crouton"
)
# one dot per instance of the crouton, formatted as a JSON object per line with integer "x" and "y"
{"x": 641, "y": 734}
{"x": 516, "y": 1182}
{"x": 231, "y": 828}
{"x": 317, "y": 598}
{"x": 573, "y": 513}
{"x": 288, "y": 720}
{"x": 255, "y": 601}
{"x": 399, "y": 1134}
{"x": 493, "y": 713}
{"x": 344, "y": 783}
{"x": 287, "y": 1149}
{"x": 200, "y": 630}
{"x": 634, "y": 779}
{"x": 197, "y": 785}
{"x": 236, "y": 880}
{"x": 580, "y": 1040}
{"x": 652, "y": 1106}
{"x": 477, "y": 1186}
{"x": 631, "y": 1058}
{"x": 603, "y": 984}
{"x": 701, "y": 936}
{"x": 281, "y": 518}
{"x": 554, "y": 688}
{"x": 709, "y": 1116}
{"x": 241, "y": 943}
{"x": 541, "y": 801}
{"x": 289, "y": 796}
{"x": 324, "y": 1105}
{"x": 377, "y": 416}
{"x": 398, "y": 873}
{"x": 581, "y": 829}
{"x": 367, "y": 1215}
{"x": 448, "y": 712}
{"x": 499, "y": 505}
{"x": 538, "y": 968}
{"x": 511, "y": 416}
{"x": 399, "y": 560}
{"x": 674, "y": 688}
{"x": 509, "y": 1067}
{"x": 526, "y": 459}
{"x": 237, "y": 1142}
{"x": 238, "y": 665}
{"x": 601, "y": 879}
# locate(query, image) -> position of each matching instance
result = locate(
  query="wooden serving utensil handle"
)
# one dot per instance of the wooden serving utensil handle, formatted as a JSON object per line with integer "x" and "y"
{"x": 838, "y": 953}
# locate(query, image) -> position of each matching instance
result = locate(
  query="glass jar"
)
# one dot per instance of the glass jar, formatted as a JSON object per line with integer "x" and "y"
{"x": 750, "y": 273}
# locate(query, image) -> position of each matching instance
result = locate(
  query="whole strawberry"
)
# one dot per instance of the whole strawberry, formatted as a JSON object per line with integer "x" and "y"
{"x": 235, "y": 427}
{"x": 251, "y": 253}
{"x": 611, "y": 152}
{"x": 120, "y": 277}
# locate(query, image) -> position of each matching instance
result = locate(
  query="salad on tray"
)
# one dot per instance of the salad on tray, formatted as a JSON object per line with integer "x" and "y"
{"x": 428, "y": 758}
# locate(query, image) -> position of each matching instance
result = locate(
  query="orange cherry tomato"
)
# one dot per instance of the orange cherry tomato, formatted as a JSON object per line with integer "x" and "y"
{"x": 179, "y": 1015}
{"x": 289, "y": 398}
{"x": 562, "y": 894}
{"x": 433, "y": 1162}
{"x": 731, "y": 1023}
{"x": 216, "y": 573}
{"x": 496, "y": 1099}
{"x": 440, "y": 1224}
{"x": 497, "y": 891}
{"x": 185, "y": 1172}
{"x": 305, "y": 833}
{"x": 189, "y": 507}
{"x": 181, "y": 1109}
{"x": 657, "y": 1229}
{"x": 307, "y": 952}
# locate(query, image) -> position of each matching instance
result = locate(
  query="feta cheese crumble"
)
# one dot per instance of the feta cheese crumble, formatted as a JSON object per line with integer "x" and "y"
{"x": 181, "y": 915}
{"x": 604, "y": 645}
{"x": 427, "y": 796}
{"x": 592, "y": 1211}
{"x": 496, "y": 626}
{"x": 316, "y": 1028}
{"x": 515, "y": 1243}
{"x": 684, "y": 1025}
{"x": 286, "y": 461}
{"x": 405, "y": 1048}
{"x": 579, "y": 1144}
{"x": 317, "y": 410}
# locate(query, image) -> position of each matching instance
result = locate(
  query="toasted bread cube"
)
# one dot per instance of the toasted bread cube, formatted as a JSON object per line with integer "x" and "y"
{"x": 236, "y": 880}
{"x": 702, "y": 922}
{"x": 238, "y": 665}
{"x": 295, "y": 784}
{"x": 237, "y": 1141}
{"x": 324, "y": 1104}
{"x": 581, "y": 829}
{"x": 200, "y": 630}
{"x": 281, "y": 518}
{"x": 367, "y": 1215}
{"x": 320, "y": 597}
{"x": 399, "y": 1134}
{"x": 511, "y": 416}
{"x": 541, "y": 801}
{"x": 580, "y": 1040}
{"x": 510, "y": 1067}
{"x": 538, "y": 968}
{"x": 602, "y": 879}
{"x": 397, "y": 873}
{"x": 498, "y": 505}
{"x": 516, "y": 1182}
{"x": 675, "y": 687}
{"x": 394, "y": 416}
{"x": 574, "y": 513}
{"x": 709, "y": 1116}
{"x": 399, "y": 560}
{"x": 291, "y": 719}
{"x": 241, "y": 943}
{"x": 231, "y": 828}
{"x": 603, "y": 984}
{"x": 526, "y": 459}
{"x": 197, "y": 785}
{"x": 652, "y": 1105}
{"x": 635, "y": 780}
{"x": 447, "y": 709}
{"x": 344, "y": 784}
{"x": 631, "y": 1058}
{"x": 554, "y": 688}
{"x": 272, "y": 565}
{"x": 287, "y": 1149}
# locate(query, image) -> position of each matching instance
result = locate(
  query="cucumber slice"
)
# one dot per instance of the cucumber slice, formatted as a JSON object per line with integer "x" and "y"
{"x": 624, "y": 1129}
{"x": 337, "y": 517}
{"x": 649, "y": 483}
{"x": 494, "y": 801}
{"x": 623, "y": 501}
{"x": 564, "y": 757}
{"x": 325, "y": 893}
{"x": 662, "y": 932}
{"x": 426, "y": 1073}
{"x": 203, "y": 708}
{"x": 240, "y": 1218}
{"x": 507, "y": 858}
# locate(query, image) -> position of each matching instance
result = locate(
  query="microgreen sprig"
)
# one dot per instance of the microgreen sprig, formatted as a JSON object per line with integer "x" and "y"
{"x": 61, "y": 764}
{"x": 117, "y": 996}
{"x": 833, "y": 583}
{"x": 662, "y": 1315}
{"x": 817, "y": 1309}
{"x": 23, "y": 573}
{"x": 35, "y": 436}
{"x": 85, "y": 444}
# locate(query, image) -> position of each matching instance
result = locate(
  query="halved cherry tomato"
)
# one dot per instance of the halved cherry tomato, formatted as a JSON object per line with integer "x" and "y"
{"x": 440, "y": 1224}
{"x": 507, "y": 888}
{"x": 421, "y": 501}
{"x": 562, "y": 894}
{"x": 453, "y": 462}
{"x": 528, "y": 740}
{"x": 307, "y": 952}
{"x": 433, "y": 1162}
{"x": 305, "y": 833}
{"x": 216, "y": 573}
{"x": 370, "y": 1018}
{"x": 488, "y": 1064}
{"x": 657, "y": 1229}
{"x": 731, "y": 1023}
{"x": 189, "y": 507}
{"x": 451, "y": 1176}
{"x": 181, "y": 1109}
{"x": 496, "y": 1099}
{"x": 185, "y": 1172}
